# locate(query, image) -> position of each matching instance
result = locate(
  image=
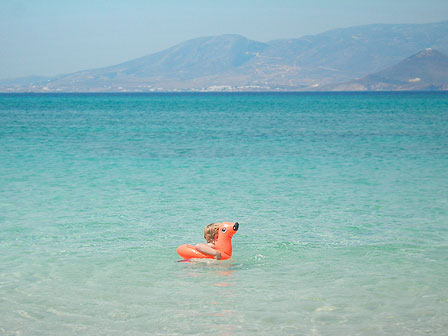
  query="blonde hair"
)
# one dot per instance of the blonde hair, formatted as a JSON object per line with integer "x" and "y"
{"x": 211, "y": 231}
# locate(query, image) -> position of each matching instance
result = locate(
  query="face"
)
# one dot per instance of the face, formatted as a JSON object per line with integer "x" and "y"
{"x": 228, "y": 228}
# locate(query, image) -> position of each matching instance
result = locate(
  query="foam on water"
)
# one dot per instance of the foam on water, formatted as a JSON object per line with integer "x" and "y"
{"x": 342, "y": 201}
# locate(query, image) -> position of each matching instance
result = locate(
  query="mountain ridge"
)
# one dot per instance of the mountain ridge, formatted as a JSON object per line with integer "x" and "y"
{"x": 234, "y": 62}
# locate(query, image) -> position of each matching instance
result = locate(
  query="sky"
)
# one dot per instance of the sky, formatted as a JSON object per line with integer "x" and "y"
{"x": 50, "y": 37}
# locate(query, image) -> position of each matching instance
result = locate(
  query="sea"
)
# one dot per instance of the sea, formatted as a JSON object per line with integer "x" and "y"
{"x": 342, "y": 201}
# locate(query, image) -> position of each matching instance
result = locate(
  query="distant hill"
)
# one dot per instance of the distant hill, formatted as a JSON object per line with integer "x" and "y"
{"x": 349, "y": 53}
{"x": 26, "y": 81}
{"x": 426, "y": 70}
{"x": 235, "y": 63}
{"x": 188, "y": 65}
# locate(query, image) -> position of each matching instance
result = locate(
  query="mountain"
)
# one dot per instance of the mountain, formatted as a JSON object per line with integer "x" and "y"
{"x": 184, "y": 66}
{"x": 426, "y": 70}
{"x": 357, "y": 51}
{"x": 235, "y": 63}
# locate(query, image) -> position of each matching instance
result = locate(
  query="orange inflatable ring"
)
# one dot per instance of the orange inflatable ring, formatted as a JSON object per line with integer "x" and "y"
{"x": 223, "y": 243}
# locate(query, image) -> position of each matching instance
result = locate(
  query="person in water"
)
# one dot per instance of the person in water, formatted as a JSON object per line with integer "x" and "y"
{"x": 210, "y": 235}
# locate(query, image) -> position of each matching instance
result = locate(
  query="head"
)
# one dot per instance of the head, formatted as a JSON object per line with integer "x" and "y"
{"x": 211, "y": 232}
{"x": 225, "y": 234}
{"x": 228, "y": 228}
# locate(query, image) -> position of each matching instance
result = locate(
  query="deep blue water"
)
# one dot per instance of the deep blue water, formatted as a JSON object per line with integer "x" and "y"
{"x": 342, "y": 200}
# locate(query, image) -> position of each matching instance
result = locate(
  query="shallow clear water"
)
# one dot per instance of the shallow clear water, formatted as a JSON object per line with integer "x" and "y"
{"x": 342, "y": 201}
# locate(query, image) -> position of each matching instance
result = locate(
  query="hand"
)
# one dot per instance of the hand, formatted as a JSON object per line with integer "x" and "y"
{"x": 204, "y": 248}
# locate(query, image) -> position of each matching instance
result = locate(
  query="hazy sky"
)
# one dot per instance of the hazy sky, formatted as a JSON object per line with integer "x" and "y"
{"x": 48, "y": 37}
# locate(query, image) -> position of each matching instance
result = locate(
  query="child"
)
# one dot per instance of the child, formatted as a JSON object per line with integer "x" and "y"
{"x": 210, "y": 235}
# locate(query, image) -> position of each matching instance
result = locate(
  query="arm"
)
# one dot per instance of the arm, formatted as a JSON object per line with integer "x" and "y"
{"x": 204, "y": 248}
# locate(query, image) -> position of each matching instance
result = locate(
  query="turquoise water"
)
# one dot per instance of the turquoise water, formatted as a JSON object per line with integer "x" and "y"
{"x": 342, "y": 201}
